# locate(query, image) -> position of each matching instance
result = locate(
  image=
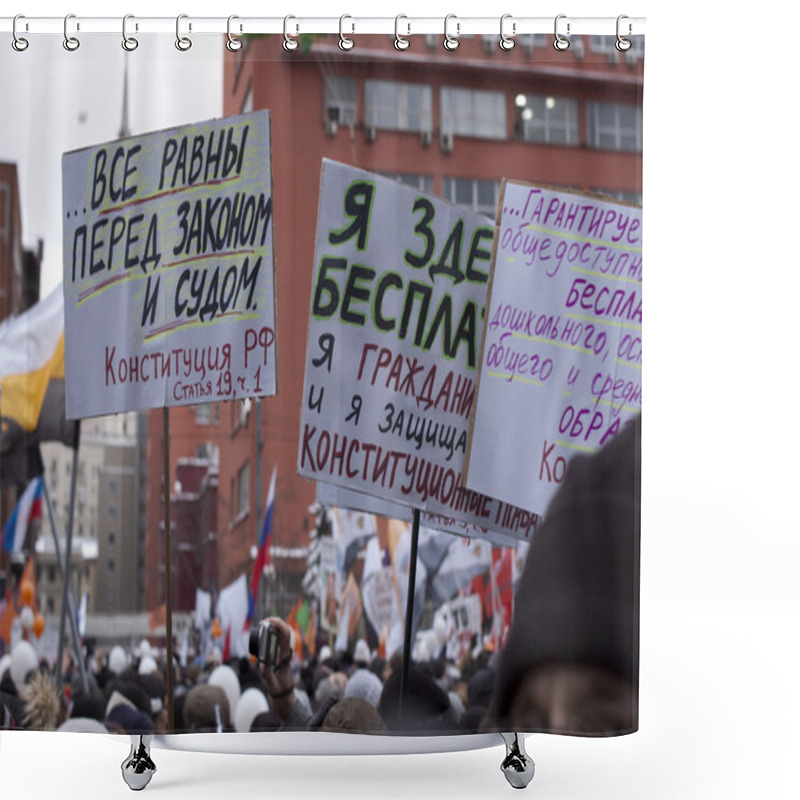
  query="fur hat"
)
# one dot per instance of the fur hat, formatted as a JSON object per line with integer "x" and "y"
{"x": 577, "y": 602}
{"x": 225, "y": 677}
{"x": 23, "y": 661}
{"x": 201, "y": 706}
{"x": 42, "y": 705}
{"x": 365, "y": 684}
{"x": 423, "y": 705}
{"x": 361, "y": 654}
{"x": 353, "y": 715}
{"x": 117, "y": 660}
{"x": 250, "y": 705}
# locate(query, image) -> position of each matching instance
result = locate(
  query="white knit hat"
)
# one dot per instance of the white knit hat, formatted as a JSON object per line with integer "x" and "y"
{"x": 250, "y": 705}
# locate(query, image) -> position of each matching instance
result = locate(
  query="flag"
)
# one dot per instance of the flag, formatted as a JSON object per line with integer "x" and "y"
{"x": 232, "y": 612}
{"x": 82, "y": 615}
{"x": 310, "y": 637}
{"x": 27, "y": 509}
{"x": 32, "y": 398}
{"x": 262, "y": 558}
{"x": 158, "y": 617}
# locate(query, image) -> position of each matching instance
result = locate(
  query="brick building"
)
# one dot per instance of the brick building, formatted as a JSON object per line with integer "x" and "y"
{"x": 451, "y": 123}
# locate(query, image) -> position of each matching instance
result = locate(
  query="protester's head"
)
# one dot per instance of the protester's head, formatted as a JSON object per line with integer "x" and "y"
{"x": 361, "y": 654}
{"x": 424, "y": 704}
{"x": 88, "y": 706}
{"x": 366, "y": 685}
{"x": 117, "y": 660}
{"x": 124, "y": 719}
{"x": 353, "y": 715}
{"x": 252, "y": 703}
{"x": 570, "y": 663}
{"x": 206, "y": 708}
{"x": 23, "y": 662}
{"x": 225, "y": 677}
{"x": 42, "y": 704}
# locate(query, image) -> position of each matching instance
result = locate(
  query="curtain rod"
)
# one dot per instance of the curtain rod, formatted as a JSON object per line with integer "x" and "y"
{"x": 406, "y": 26}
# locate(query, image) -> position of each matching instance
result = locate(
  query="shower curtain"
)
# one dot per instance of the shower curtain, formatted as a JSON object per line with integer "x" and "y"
{"x": 352, "y": 331}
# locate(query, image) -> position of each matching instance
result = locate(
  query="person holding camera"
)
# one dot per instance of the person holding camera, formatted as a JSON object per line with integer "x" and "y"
{"x": 271, "y": 644}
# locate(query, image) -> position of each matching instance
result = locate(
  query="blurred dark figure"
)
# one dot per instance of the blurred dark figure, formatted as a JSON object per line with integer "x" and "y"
{"x": 571, "y": 662}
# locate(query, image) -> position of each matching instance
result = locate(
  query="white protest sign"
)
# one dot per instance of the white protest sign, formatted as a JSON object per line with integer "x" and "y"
{"x": 462, "y": 623}
{"x": 397, "y": 304}
{"x": 169, "y": 274}
{"x": 561, "y": 362}
{"x": 337, "y": 496}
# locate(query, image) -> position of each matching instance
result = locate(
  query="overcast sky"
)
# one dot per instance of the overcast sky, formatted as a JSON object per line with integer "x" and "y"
{"x": 54, "y": 101}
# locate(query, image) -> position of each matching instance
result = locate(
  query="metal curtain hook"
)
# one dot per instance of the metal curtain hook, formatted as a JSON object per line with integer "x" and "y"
{"x": 128, "y": 42}
{"x": 560, "y": 42}
{"x": 451, "y": 42}
{"x": 400, "y": 42}
{"x": 70, "y": 42}
{"x": 623, "y": 44}
{"x": 233, "y": 44}
{"x": 19, "y": 43}
{"x": 289, "y": 43}
{"x": 507, "y": 42}
{"x": 183, "y": 43}
{"x": 345, "y": 43}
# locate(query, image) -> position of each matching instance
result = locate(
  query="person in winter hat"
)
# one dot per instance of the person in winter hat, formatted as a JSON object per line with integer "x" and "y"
{"x": 571, "y": 660}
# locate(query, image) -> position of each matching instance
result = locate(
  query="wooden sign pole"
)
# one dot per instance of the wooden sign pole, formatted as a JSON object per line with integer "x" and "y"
{"x": 168, "y": 574}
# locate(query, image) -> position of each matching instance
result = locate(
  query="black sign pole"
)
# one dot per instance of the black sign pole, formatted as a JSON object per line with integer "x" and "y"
{"x": 412, "y": 580}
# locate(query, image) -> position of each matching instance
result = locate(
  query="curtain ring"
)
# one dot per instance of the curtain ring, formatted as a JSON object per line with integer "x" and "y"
{"x": 400, "y": 42}
{"x": 183, "y": 43}
{"x": 451, "y": 42}
{"x": 18, "y": 42}
{"x": 128, "y": 42}
{"x": 507, "y": 42}
{"x": 345, "y": 43}
{"x": 71, "y": 43}
{"x": 560, "y": 42}
{"x": 289, "y": 43}
{"x": 233, "y": 44}
{"x": 622, "y": 44}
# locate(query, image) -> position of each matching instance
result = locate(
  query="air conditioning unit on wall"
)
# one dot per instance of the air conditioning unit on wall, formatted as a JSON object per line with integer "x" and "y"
{"x": 446, "y": 142}
{"x": 427, "y": 138}
{"x": 370, "y": 133}
{"x": 331, "y": 127}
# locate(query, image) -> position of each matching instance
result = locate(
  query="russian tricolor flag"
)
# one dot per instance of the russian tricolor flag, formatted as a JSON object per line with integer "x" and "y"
{"x": 27, "y": 509}
{"x": 262, "y": 557}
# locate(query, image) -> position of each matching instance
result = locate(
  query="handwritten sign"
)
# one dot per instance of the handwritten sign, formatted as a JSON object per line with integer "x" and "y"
{"x": 560, "y": 369}
{"x": 169, "y": 268}
{"x": 397, "y": 304}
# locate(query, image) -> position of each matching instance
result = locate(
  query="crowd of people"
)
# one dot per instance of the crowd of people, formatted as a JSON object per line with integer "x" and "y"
{"x": 354, "y": 691}
{"x": 570, "y": 663}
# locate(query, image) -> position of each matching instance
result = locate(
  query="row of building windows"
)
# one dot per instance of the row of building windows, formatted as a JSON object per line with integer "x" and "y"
{"x": 481, "y": 113}
{"x": 481, "y": 196}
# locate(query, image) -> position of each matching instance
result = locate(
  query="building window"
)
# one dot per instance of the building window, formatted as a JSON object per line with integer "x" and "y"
{"x": 111, "y": 538}
{"x": 203, "y": 413}
{"x": 546, "y": 119}
{"x": 614, "y": 126}
{"x": 340, "y": 100}
{"x": 607, "y": 45}
{"x": 112, "y": 486}
{"x": 243, "y": 490}
{"x": 112, "y": 512}
{"x": 476, "y": 195}
{"x": 110, "y": 564}
{"x": 632, "y": 198}
{"x": 473, "y": 112}
{"x": 422, "y": 182}
{"x": 398, "y": 106}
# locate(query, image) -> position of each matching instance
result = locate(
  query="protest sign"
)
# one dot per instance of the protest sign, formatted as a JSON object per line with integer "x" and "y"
{"x": 169, "y": 274}
{"x": 337, "y": 496}
{"x": 560, "y": 366}
{"x": 397, "y": 306}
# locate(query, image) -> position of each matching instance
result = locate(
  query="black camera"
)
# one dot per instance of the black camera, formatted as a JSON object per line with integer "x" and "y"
{"x": 264, "y": 644}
